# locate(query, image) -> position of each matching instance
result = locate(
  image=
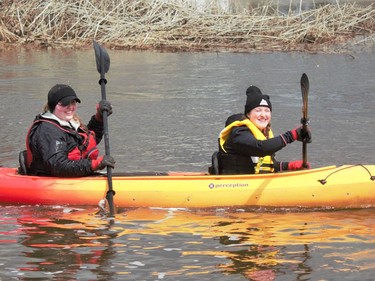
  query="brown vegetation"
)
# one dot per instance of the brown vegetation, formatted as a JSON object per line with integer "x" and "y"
{"x": 167, "y": 25}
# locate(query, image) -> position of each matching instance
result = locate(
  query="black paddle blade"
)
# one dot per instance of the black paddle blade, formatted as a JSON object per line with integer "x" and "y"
{"x": 102, "y": 58}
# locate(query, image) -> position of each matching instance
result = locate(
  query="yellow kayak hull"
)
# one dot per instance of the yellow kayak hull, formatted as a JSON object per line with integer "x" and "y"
{"x": 328, "y": 187}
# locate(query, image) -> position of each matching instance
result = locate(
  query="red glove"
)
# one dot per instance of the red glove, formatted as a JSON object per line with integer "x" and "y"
{"x": 297, "y": 165}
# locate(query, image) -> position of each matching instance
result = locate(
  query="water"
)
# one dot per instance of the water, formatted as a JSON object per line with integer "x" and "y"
{"x": 151, "y": 244}
{"x": 168, "y": 111}
{"x": 169, "y": 108}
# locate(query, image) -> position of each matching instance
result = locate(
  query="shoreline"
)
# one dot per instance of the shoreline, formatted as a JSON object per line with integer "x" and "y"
{"x": 168, "y": 27}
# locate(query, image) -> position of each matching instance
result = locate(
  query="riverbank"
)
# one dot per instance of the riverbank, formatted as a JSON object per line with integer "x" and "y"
{"x": 175, "y": 26}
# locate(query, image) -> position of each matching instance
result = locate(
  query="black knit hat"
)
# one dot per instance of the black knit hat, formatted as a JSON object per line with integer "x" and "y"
{"x": 255, "y": 98}
{"x": 61, "y": 93}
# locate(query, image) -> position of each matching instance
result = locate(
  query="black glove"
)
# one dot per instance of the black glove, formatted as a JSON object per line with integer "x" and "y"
{"x": 103, "y": 105}
{"x": 300, "y": 134}
{"x": 297, "y": 134}
{"x": 107, "y": 160}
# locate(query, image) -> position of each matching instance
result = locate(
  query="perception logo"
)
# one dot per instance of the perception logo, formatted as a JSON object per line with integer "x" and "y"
{"x": 227, "y": 185}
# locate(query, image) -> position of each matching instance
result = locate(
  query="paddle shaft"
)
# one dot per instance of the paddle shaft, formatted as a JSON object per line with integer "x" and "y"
{"x": 305, "y": 119}
{"x": 102, "y": 60}
{"x": 110, "y": 192}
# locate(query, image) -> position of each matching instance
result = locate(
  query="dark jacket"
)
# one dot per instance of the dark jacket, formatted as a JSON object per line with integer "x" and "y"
{"x": 241, "y": 146}
{"x": 50, "y": 144}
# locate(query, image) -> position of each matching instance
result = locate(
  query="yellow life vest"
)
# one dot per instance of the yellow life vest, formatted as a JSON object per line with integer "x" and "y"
{"x": 263, "y": 164}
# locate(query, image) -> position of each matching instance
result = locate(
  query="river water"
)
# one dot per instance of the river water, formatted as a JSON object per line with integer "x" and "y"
{"x": 168, "y": 111}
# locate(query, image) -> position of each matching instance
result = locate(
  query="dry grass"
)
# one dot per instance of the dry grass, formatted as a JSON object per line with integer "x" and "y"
{"x": 174, "y": 26}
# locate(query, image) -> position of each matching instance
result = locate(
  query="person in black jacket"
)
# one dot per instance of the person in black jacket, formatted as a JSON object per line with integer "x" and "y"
{"x": 247, "y": 144}
{"x": 59, "y": 144}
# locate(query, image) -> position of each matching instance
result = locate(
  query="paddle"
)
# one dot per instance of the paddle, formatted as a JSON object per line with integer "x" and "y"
{"x": 102, "y": 65}
{"x": 305, "y": 119}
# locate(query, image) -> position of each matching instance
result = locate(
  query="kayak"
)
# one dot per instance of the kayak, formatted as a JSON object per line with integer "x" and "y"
{"x": 347, "y": 186}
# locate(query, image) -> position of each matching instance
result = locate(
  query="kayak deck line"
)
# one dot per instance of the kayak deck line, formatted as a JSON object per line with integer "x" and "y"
{"x": 346, "y": 186}
{"x": 324, "y": 181}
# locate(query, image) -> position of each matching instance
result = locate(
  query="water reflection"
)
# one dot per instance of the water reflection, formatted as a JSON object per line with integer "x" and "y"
{"x": 60, "y": 247}
{"x": 168, "y": 244}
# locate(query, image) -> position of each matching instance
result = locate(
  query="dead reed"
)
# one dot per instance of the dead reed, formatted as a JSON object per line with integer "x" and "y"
{"x": 176, "y": 26}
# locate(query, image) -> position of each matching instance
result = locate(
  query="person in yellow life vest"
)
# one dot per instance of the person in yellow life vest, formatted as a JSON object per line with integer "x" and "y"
{"x": 247, "y": 144}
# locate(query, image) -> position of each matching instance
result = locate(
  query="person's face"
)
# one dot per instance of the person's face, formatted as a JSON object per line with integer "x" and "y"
{"x": 260, "y": 116}
{"x": 67, "y": 112}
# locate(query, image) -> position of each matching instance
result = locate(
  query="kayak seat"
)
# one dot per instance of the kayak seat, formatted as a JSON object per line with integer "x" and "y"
{"x": 22, "y": 169}
{"x": 215, "y": 164}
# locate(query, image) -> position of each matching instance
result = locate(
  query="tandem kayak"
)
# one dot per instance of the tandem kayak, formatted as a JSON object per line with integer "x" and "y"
{"x": 327, "y": 187}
